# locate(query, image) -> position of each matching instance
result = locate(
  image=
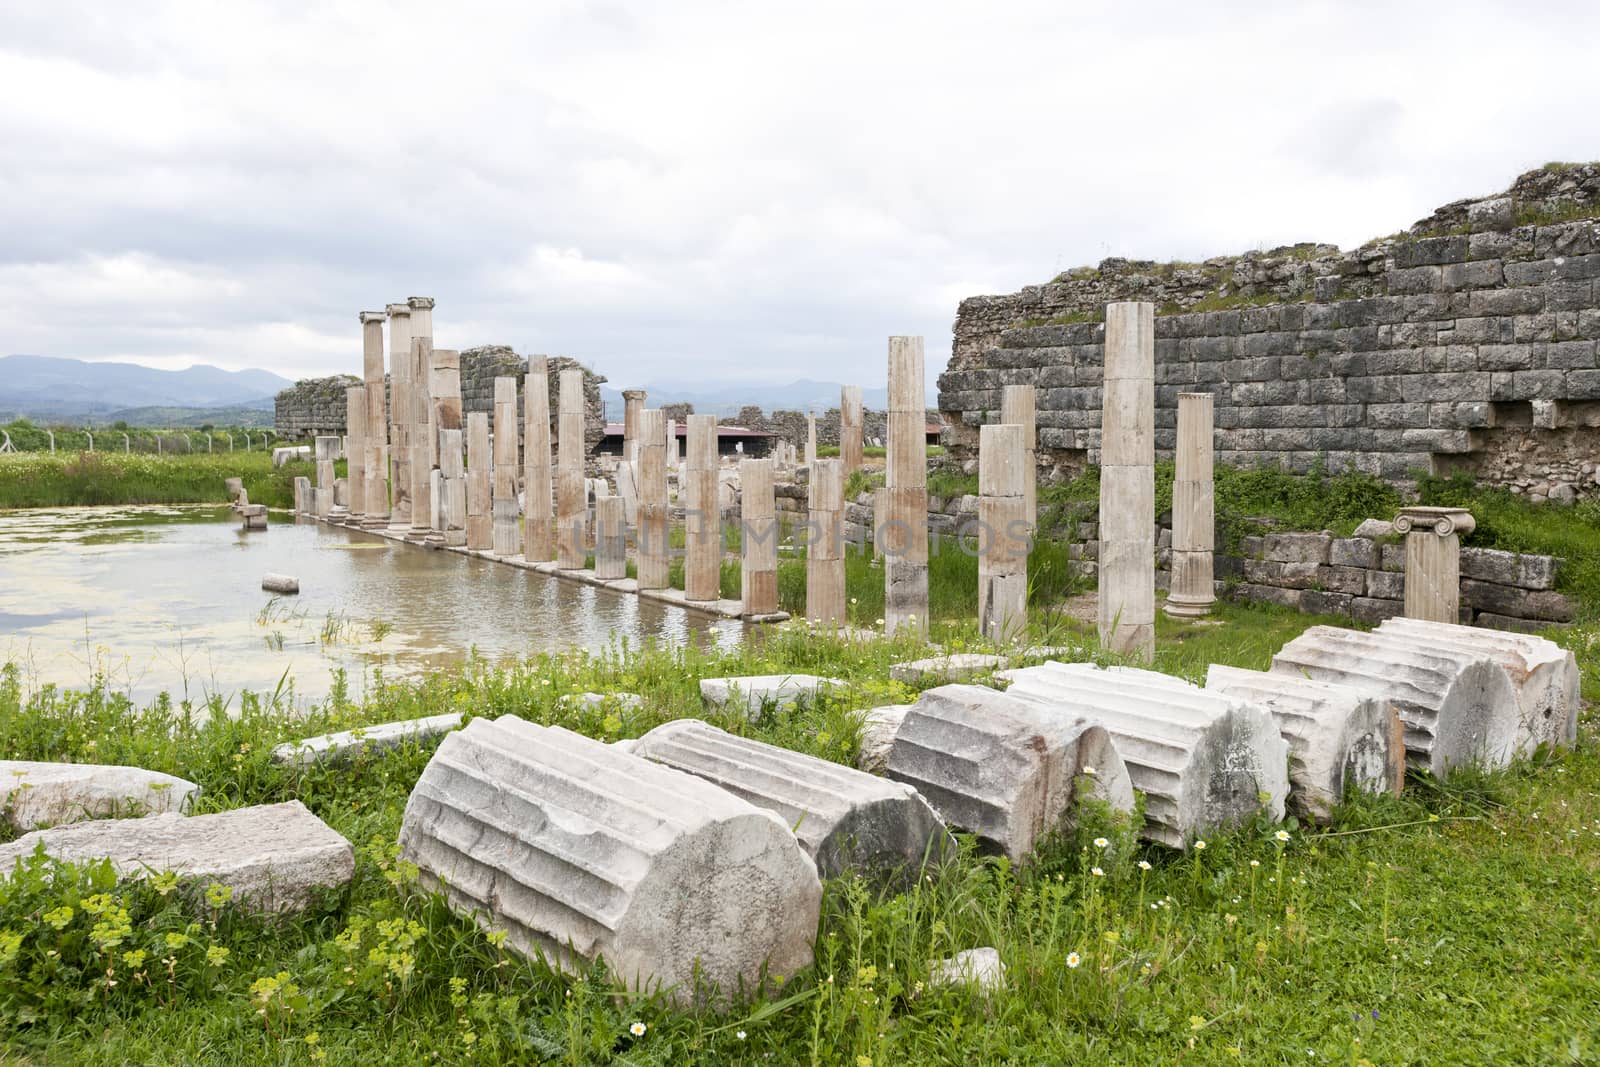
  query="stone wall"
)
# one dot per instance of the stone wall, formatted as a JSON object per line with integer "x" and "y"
{"x": 1465, "y": 343}
{"x": 313, "y": 406}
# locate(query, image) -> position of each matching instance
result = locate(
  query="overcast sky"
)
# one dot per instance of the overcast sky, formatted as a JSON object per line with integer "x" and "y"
{"x": 696, "y": 192}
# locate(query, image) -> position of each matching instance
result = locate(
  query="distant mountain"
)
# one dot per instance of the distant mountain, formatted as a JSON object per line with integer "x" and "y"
{"x": 727, "y": 399}
{"x": 45, "y": 388}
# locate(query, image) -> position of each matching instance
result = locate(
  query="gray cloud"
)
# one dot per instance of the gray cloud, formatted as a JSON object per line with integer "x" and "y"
{"x": 712, "y": 190}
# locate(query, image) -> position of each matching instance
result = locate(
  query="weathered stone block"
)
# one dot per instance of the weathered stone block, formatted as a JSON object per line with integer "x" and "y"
{"x": 347, "y": 744}
{"x": 1296, "y": 547}
{"x": 879, "y": 727}
{"x": 753, "y": 695}
{"x": 36, "y": 794}
{"x": 1353, "y": 552}
{"x": 275, "y": 857}
{"x": 940, "y": 670}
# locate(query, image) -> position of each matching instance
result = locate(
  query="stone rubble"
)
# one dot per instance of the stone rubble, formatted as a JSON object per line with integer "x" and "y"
{"x": 347, "y": 744}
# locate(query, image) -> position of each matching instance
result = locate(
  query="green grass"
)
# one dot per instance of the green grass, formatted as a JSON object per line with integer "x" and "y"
{"x": 31, "y": 480}
{"x": 27, "y": 436}
{"x": 1455, "y": 925}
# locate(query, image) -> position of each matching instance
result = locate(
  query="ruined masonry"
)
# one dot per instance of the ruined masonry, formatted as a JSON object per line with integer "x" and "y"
{"x": 843, "y": 817}
{"x": 1544, "y": 675}
{"x": 578, "y": 851}
{"x": 1202, "y": 760}
{"x": 1001, "y": 769}
{"x": 1465, "y": 343}
{"x": 1459, "y": 708}
{"x": 1339, "y": 738}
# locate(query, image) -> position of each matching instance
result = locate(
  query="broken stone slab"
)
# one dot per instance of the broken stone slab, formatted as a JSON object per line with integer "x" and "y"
{"x": 254, "y": 516}
{"x": 1544, "y": 675}
{"x": 878, "y": 729}
{"x": 590, "y": 701}
{"x": 34, "y": 794}
{"x": 1459, "y": 708}
{"x": 979, "y": 967}
{"x": 1004, "y": 770}
{"x": 844, "y": 818}
{"x": 578, "y": 850}
{"x": 275, "y": 857}
{"x": 283, "y": 584}
{"x": 347, "y": 744}
{"x": 1339, "y": 738}
{"x": 938, "y": 670}
{"x": 1374, "y": 529}
{"x": 1203, "y": 760}
{"x": 753, "y": 695}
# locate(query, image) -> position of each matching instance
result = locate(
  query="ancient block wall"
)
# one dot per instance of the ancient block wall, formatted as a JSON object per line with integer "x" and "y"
{"x": 313, "y": 407}
{"x": 1467, "y": 342}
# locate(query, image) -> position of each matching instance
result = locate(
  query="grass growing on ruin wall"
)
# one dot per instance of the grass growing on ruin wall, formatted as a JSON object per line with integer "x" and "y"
{"x": 1452, "y": 926}
{"x": 32, "y": 480}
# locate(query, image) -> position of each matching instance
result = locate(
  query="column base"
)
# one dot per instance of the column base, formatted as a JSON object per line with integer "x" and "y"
{"x": 1182, "y": 607}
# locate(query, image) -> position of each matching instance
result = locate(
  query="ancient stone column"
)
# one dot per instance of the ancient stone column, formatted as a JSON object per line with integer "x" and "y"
{"x": 1194, "y": 523}
{"x": 811, "y": 438}
{"x": 903, "y": 527}
{"x": 1019, "y": 407}
{"x": 1338, "y": 737}
{"x": 578, "y": 850}
{"x": 1433, "y": 560}
{"x": 1003, "y": 769}
{"x": 654, "y": 548}
{"x": 572, "y": 492}
{"x": 327, "y": 452}
{"x": 444, "y": 391}
{"x": 632, "y": 404}
{"x": 425, "y": 439}
{"x": 507, "y": 524}
{"x": 758, "y": 521}
{"x": 1544, "y": 674}
{"x": 1003, "y": 533}
{"x": 1128, "y": 482}
{"x": 702, "y": 567}
{"x": 453, "y": 480}
{"x": 375, "y": 459}
{"x": 402, "y": 413}
{"x": 851, "y": 427}
{"x": 674, "y": 453}
{"x": 1459, "y": 707}
{"x": 355, "y": 446}
{"x": 480, "y": 484}
{"x": 845, "y": 819}
{"x": 825, "y": 572}
{"x": 1203, "y": 761}
{"x": 610, "y": 539}
{"x": 538, "y": 535}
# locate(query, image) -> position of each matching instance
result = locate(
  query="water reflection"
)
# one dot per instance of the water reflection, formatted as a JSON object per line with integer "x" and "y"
{"x": 169, "y": 598}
